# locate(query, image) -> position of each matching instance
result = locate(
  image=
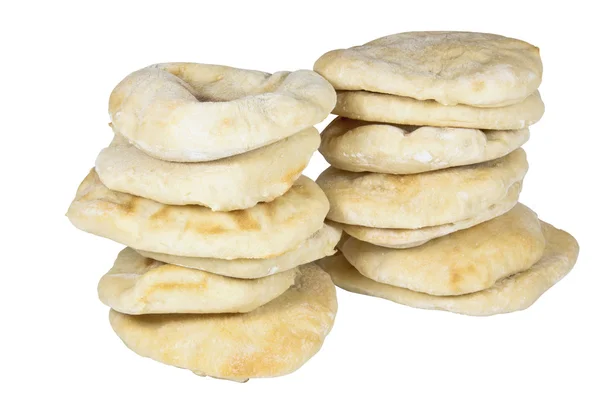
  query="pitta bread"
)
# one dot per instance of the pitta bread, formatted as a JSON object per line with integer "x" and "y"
{"x": 140, "y": 285}
{"x": 263, "y": 231}
{"x": 272, "y": 340}
{"x": 406, "y": 238}
{"x": 463, "y": 262}
{"x": 451, "y": 68}
{"x": 367, "y": 106}
{"x": 514, "y": 293}
{"x": 231, "y": 183}
{"x": 197, "y": 112}
{"x": 420, "y": 200}
{"x": 359, "y": 146}
{"x": 321, "y": 244}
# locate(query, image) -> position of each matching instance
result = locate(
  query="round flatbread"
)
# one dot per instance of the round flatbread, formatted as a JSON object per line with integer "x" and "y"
{"x": 231, "y": 183}
{"x": 514, "y": 293}
{"x": 406, "y": 238}
{"x": 463, "y": 262}
{"x": 321, "y": 244}
{"x": 272, "y": 340}
{"x": 420, "y": 200}
{"x": 367, "y": 106}
{"x": 451, "y": 68}
{"x": 139, "y": 285}
{"x": 360, "y": 146}
{"x": 263, "y": 231}
{"x": 198, "y": 112}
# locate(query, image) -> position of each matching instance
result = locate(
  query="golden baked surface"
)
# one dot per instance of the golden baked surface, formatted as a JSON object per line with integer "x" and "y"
{"x": 272, "y": 340}
{"x": 451, "y": 68}
{"x": 462, "y": 262}
{"x": 321, "y": 244}
{"x": 263, "y": 231}
{"x": 513, "y": 293}
{"x": 139, "y": 285}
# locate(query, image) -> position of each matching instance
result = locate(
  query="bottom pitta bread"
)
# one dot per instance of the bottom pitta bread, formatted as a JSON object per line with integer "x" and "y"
{"x": 514, "y": 293}
{"x": 272, "y": 340}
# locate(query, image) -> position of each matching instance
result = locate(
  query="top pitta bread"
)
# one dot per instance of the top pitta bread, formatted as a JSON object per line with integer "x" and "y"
{"x": 263, "y": 231}
{"x": 197, "y": 112}
{"x": 451, "y": 68}
{"x": 420, "y": 200}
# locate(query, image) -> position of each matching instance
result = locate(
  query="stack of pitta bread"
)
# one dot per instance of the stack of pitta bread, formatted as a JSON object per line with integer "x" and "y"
{"x": 203, "y": 183}
{"x": 427, "y": 170}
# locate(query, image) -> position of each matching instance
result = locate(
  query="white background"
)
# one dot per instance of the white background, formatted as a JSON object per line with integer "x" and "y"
{"x": 60, "y": 62}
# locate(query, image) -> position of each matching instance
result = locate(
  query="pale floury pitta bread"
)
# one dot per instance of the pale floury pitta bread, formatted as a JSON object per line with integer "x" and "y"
{"x": 263, "y": 231}
{"x": 272, "y": 340}
{"x": 139, "y": 285}
{"x": 392, "y": 109}
{"x": 514, "y": 293}
{"x": 466, "y": 261}
{"x": 199, "y": 112}
{"x": 449, "y": 67}
{"x": 231, "y": 183}
{"x": 406, "y": 238}
{"x": 420, "y": 200}
{"x": 360, "y": 146}
{"x": 321, "y": 244}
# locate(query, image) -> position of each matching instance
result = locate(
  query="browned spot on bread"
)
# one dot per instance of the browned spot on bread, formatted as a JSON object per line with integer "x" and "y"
{"x": 200, "y": 284}
{"x": 248, "y": 361}
{"x": 455, "y": 278}
{"x": 208, "y": 229}
{"x": 129, "y": 206}
{"x": 291, "y": 176}
{"x": 274, "y": 358}
{"x": 459, "y": 275}
{"x": 172, "y": 286}
{"x": 244, "y": 220}
{"x": 161, "y": 214}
